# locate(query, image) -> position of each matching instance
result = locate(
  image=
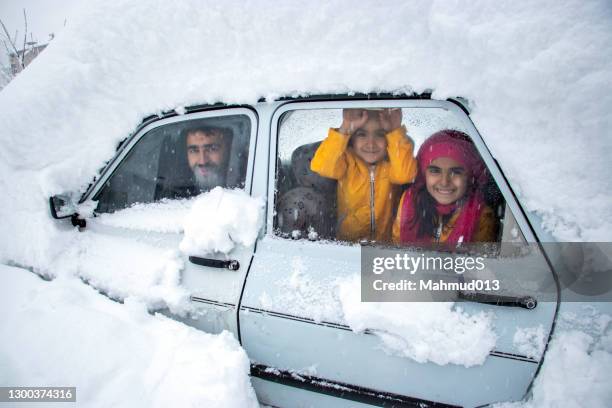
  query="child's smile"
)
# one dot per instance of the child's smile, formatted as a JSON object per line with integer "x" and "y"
{"x": 369, "y": 141}
{"x": 446, "y": 180}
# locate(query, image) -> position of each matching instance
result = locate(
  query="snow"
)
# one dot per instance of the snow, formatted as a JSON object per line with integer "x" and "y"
{"x": 145, "y": 273}
{"x": 220, "y": 219}
{"x": 162, "y": 216}
{"x": 576, "y": 369}
{"x": 63, "y": 333}
{"x": 539, "y": 79}
{"x": 530, "y": 341}
{"x": 433, "y": 331}
{"x": 212, "y": 222}
{"x": 589, "y": 382}
{"x": 424, "y": 332}
{"x": 216, "y": 221}
{"x": 144, "y": 266}
{"x": 299, "y": 293}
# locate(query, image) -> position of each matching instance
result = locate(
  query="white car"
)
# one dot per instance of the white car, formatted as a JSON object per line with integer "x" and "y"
{"x": 278, "y": 296}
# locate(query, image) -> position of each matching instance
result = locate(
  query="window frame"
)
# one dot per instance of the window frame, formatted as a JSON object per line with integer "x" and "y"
{"x": 132, "y": 141}
{"x": 491, "y": 163}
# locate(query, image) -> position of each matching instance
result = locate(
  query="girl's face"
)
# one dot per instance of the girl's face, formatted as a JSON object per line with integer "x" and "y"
{"x": 446, "y": 180}
{"x": 369, "y": 141}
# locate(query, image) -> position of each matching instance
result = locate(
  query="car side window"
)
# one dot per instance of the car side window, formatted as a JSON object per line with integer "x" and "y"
{"x": 179, "y": 160}
{"x": 402, "y": 176}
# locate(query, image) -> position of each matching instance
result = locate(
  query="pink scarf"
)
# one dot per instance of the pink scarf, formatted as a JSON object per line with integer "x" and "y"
{"x": 463, "y": 230}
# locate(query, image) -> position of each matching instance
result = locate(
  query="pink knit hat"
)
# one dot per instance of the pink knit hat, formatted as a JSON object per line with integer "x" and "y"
{"x": 456, "y": 145}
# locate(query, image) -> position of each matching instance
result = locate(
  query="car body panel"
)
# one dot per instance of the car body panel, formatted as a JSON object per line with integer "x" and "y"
{"x": 299, "y": 338}
{"x": 289, "y": 338}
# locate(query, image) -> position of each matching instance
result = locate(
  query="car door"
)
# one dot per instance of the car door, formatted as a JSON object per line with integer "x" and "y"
{"x": 312, "y": 340}
{"x": 131, "y": 246}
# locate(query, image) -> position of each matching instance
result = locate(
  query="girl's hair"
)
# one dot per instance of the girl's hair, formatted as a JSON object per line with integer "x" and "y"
{"x": 426, "y": 215}
{"x": 458, "y": 145}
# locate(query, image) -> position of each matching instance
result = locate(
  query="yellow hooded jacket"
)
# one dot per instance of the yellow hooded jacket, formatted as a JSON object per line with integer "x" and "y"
{"x": 362, "y": 188}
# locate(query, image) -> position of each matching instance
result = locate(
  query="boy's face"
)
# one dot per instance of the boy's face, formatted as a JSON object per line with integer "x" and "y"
{"x": 369, "y": 141}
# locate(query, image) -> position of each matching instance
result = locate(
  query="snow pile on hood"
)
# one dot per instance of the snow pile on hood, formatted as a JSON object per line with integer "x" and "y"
{"x": 62, "y": 333}
{"x": 539, "y": 75}
{"x": 220, "y": 219}
{"x": 421, "y": 331}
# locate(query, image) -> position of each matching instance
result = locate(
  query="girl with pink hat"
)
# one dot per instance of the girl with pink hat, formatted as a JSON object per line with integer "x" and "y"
{"x": 445, "y": 204}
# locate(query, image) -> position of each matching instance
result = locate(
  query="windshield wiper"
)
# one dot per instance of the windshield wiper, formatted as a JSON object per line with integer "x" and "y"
{"x": 526, "y": 302}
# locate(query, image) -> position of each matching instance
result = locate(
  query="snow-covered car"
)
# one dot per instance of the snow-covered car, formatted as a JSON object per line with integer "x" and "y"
{"x": 275, "y": 276}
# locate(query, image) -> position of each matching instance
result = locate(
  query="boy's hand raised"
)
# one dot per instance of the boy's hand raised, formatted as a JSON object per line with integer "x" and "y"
{"x": 391, "y": 119}
{"x": 353, "y": 119}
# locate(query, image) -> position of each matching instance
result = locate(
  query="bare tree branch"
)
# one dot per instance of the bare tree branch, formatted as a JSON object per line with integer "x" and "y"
{"x": 17, "y": 57}
{"x": 8, "y": 51}
{"x": 25, "y": 38}
{"x": 9, "y": 38}
{"x": 6, "y": 71}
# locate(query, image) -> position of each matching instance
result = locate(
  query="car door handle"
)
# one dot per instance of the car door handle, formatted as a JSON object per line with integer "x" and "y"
{"x": 526, "y": 302}
{"x": 232, "y": 264}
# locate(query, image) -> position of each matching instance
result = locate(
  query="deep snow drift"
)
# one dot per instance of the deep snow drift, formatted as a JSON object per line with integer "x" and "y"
{"x": 63, "y": 333}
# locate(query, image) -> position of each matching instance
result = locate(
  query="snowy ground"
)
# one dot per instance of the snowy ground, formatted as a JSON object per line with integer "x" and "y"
{"x": 64, "y": 333}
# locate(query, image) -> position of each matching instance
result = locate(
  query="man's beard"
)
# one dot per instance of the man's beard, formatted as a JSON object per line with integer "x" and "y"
{"x": 212, "y": 179}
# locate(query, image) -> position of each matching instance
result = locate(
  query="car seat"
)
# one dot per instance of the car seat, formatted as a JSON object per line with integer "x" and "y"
{"x": 309, "y": 208}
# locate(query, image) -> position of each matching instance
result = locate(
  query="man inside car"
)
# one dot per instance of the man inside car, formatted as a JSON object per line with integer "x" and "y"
{"x": 195, "y": 162}
{"x": 207, "y": 156}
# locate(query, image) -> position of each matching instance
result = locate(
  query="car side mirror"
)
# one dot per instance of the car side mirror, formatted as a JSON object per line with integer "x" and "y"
{"x": 62, "y": 206}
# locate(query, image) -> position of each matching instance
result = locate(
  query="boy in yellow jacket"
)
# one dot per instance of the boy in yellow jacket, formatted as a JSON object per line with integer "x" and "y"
{"x": 370, "y": 156}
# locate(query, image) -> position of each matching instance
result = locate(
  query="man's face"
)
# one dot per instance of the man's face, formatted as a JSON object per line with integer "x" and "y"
{"x": 206, "y": 154}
